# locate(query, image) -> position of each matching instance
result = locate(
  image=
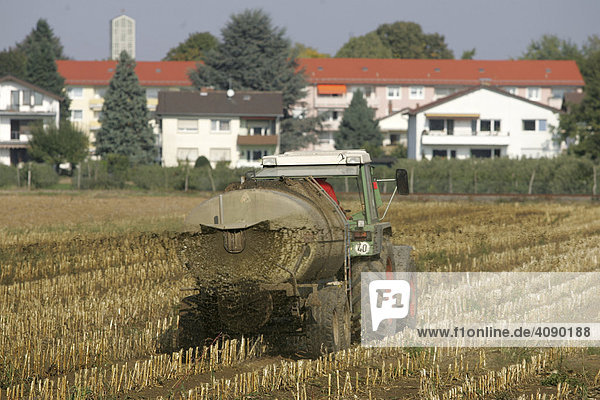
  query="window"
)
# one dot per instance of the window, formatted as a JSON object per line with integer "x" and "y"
{"x": 220, "y": 125}
{"x": 75, "y": 92}
{"x": 255, "y": 155}
{"x": 38, "y": 98}
{"x": 97, "y": 115}
{"x": 542, "y": 125}
{"x": 187, "y": 125}
{"x": 511, "y": 89}
{"x": 485, "y": 125}
{"x": 533, "y": 93}
{"x": 558, "y": 93}
{"x": 443, "y": 91}
{"x": 219, "y": 154}
{"x": 496, "y": 152}
{"x": 187, "y": 154}
{"x": 481, "y": 153}
{"x": 474, "y": 126}
{"x": 367, "y": 91}
{"x": 529, "y": 124}
{"x": 394, "y": 92}
{"x": 440, "y": 153}
{"x": 452, "y": 153}
{"x": 416, "y": 92}
{"x": 27, "y": 97}
{"x": 436, "y": 125}
{"x": 14, "y": 99}
{"x": 497, "y": 125}
{"x": 152, "y": 93}
{"x": 99, "y": 93}
{"x": 76, "y": 115}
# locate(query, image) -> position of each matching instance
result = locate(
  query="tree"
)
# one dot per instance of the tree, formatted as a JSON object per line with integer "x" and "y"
{"x": 12, "y": 62}
{"x": 194, "y": 48}
{"x": 253, "y": 55}
{"x": 65, "y": 144}
{"x": 297, "y": 133}
{"x": 125, "y": 118}
{"x": 358, "y": 127}
{"x": 582, "y": 123}
{"x": 42, "y": 33}
{"x": 407, "y": 40}
{"x": 551, "y": 47}
{"x": 301, "y": 51}
{"x": 367, "y": 46}
{"x": 41, "y": 49}
{"x": 468, "y": 54}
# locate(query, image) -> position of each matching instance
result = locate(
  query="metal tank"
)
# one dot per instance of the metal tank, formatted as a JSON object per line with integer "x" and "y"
{"x": 265, "y": 232}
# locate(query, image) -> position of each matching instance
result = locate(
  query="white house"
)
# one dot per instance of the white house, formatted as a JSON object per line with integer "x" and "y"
{"x": 239, "y": 127}
{"x": 21, "y": 105}
{"x": 482, "y": 121}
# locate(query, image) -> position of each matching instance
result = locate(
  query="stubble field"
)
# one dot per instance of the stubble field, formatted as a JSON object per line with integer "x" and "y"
{"x": 90, "y": 283}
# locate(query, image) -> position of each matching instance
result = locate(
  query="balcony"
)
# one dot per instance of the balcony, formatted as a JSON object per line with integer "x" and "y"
{"x": 440, "y": 138}
{"x": 96, "y": 104}
{"x": 257, "y": 140}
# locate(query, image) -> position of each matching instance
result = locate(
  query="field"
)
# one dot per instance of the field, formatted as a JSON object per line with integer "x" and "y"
{"x": 90, "y": 283}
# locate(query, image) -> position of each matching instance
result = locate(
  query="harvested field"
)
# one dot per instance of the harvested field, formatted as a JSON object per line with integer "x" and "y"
{"x": 90, "y": 283}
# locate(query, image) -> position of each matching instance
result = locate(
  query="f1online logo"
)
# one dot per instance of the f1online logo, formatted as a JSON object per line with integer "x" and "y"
{"x": 389, "y": 299}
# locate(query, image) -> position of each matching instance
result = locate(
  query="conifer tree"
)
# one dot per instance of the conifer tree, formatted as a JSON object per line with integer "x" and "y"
{"x": 125, "y": 118}
{"x": 358, "y": 128}
{"x": 254, "y": 55}
{"x": 41, "y": 49}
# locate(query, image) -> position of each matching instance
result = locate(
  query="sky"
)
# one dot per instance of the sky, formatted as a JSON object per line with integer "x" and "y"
{"x": 499, "y": 29}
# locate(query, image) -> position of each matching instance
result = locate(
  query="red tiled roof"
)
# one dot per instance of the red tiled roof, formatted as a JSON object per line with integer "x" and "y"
{"x": 150, "y": 73}
{"x": 441, "y": 72}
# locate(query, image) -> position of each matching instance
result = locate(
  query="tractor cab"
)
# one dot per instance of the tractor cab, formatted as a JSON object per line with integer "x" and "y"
{"x": 344, "y": 171}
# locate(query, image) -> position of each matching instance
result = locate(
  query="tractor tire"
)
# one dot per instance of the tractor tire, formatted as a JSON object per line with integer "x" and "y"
{"x": 357, "y": 268}
{"x": 328, "y": 326}
{"x": 398, "y": 259}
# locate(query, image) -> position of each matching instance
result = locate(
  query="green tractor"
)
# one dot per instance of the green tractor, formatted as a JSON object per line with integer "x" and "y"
{"x": 278, "y": 255}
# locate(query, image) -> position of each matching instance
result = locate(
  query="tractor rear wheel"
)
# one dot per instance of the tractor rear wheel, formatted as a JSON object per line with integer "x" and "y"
{"x": 328, "y": 326}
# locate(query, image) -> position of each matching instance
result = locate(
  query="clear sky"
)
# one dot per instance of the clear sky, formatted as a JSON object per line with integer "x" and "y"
{"x": 498, "y": 29}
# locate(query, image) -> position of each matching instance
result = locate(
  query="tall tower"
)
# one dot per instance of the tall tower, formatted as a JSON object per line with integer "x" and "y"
{"x": 122, "y": 36}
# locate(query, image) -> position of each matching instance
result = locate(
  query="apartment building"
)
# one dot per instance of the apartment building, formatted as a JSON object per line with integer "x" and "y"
{"x": 21, "y": 105}
{"x": 87, "y": 82}
{"x": 235, "y": 127}
{"x": 394, "y": 85}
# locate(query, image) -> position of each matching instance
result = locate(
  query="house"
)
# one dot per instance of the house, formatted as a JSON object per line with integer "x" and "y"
{"x": 87, "y": 82}
{"x": 392, "y": 85}
{"x": 21, "y": 105}
{"x": 482, "y": 121}
{"x": 237, "y": 127}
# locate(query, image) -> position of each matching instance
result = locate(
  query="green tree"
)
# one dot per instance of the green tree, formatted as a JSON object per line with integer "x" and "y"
{"x": 65, "y": 144}
{"x": 42, "y": 33}
{"x": 41, "y": 49}
{"x": 194, "y": 48}
{"x": 358, "y": 127}
{"x": 125, "y": 118}
{"x": 468, "y": 54}
{"x": 407, "y": 40}
{"x": 12, "y": 62}
{"x": 301, "y": 51}
{"x": 297, "y": 133}
{"x": 254, "y": 55}
{"x": 551, "y": 47}
{"x": 581, "y": 124}
{"x": 366, "y": 46}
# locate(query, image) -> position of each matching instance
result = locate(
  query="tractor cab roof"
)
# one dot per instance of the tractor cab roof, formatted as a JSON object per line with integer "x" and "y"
{"x": 313, "y": 158}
